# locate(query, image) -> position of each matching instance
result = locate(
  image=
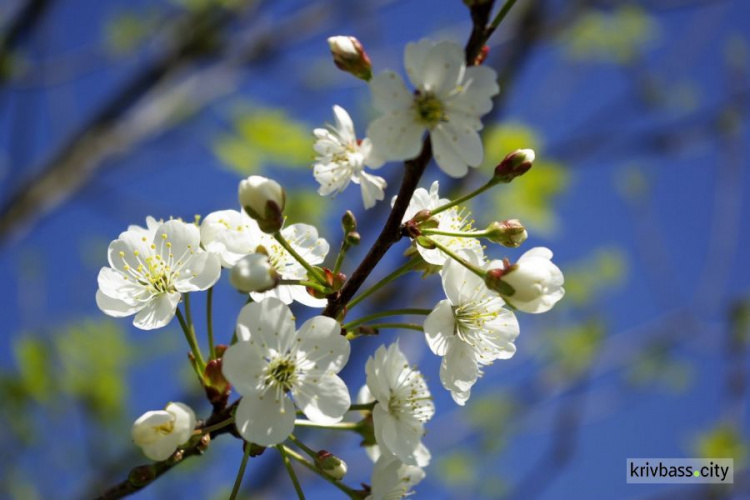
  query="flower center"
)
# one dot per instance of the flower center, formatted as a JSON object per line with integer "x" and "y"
{"x": 281, "y": 373}
{"x": 165, "y": 429}
{"x": 470, "y": 319}
{"x": 429, "y": 109}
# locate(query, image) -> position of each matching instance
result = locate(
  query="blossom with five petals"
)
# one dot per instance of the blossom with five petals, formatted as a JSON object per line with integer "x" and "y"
{"x": 275, "y": 368}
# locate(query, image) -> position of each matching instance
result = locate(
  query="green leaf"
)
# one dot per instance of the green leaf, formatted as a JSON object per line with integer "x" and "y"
{"x": 34, "y": 368}
{"x": 93, "y": 357}
{"x": 616, "y": 36}
{"x": 457, "y": 469}
{"x": 723, "y": 441}
{"x": 305, "y": 206}
{"x": 572, "y": 350}
{"x": 265, "y": 136}
{"x": 589, "y": 279}
{"x": 127, "y": 31}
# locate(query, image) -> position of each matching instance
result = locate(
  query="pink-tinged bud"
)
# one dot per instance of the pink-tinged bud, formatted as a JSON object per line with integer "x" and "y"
{"x": 331, "y": 465}
{"x": 350, "y": 56}
{"x": 217, "y": 387}
{"x": 534, "y": 284}
{"x": 482, "y": 56}
{"x": 493, "y": 280}
{"x": 514, "y": 165}
{"x": 509, "y": 233}
{"x": 263, "y": 199}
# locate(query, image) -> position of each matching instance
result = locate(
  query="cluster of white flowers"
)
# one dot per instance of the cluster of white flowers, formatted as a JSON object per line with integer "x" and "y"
{"x": 279, "y": 370}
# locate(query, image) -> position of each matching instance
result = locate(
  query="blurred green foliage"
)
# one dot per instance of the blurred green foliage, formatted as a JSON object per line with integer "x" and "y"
{"x": 722, "y": 441}
{"x": 457, "y": 468}
{"x": 603, "y": 269}
{"x": 615, "y": 36}
{"x": 530, "y": 197}
{"x": 125, "y": 32}
{"x": 86, "y": 362}
{"x": 572, "y": 350}
{"x": 265, "y": 136}
{"x": 656, "y": 366}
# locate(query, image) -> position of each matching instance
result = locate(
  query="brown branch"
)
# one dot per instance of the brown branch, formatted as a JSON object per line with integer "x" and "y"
{"x": 414, "y": 168}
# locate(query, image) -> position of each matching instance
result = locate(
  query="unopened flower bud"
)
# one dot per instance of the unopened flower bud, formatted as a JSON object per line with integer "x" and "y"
{"x": 533, "y": 284}
{"x": 160, "y": 433}
{"x": 421, "y": 216}
{"x": 348, "y": 222}
{"x": 216, "y": 386}
{"x": 352, "y": 238}
{"x": 331, "y": 465}
{"x": 514, "y": 165}
{"x": 253, "y": 273}
{"x": 350, "y": 56}
{"x": 509, "y": 233}
{"x": 263, "y": 199}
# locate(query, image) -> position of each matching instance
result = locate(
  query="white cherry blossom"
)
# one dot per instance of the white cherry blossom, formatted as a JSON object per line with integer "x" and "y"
{"x": 449, "y": 100}
{"x": 149, "y": 273}
{"x": 403, "y": 406}
{"x": 232, "y": 235}
{"x": 341, "y": 159}
{"x": 536, "y": 282}
{"x": 455, "y": 219}
{"x": 469, "y": 329}
{"x": 392, "y": 479}
{"x": 275, "y": 368}
{"x": 160, "y": 433}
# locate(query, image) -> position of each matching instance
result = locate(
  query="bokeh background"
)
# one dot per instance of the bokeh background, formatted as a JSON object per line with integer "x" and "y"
{"x": 638, "y": 110}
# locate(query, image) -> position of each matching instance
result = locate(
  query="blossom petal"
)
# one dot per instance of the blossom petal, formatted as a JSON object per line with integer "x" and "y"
{"x": 200, "y": 272}
{"x": 440, "y": 327}
{"x": 344, "y": 124}
{"x": 401, "y": 437}
{"x": 372, "y": 188}
{"x": 118, "y": 285}
{"x": 459, "y": 283}
{"x": 264, "y": 420}
{"x": 243, "y": 366}
{"x": 415, "y": 56}
{"x": 184, "y": 421}
{"x": 230, "y": 234}
{"x": 325, "y": 399}
{"x": 456, "y": 148}
{"x": 480, "y": 84}
{"x": 319, "y": 341}
{"x": 304, "y": 238}
{"x": 299, "y": 294}
{"x": 443, "y": 68}
{"x": 183, "y": 239}
{"x": 115, "y": 307}
{"x": 459, "y": 369}
{"x": 389, "y": 92}
{"x": 396, "y": 135}
{"x": 269, "y": 323}
{"x": 158, "y": 312}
